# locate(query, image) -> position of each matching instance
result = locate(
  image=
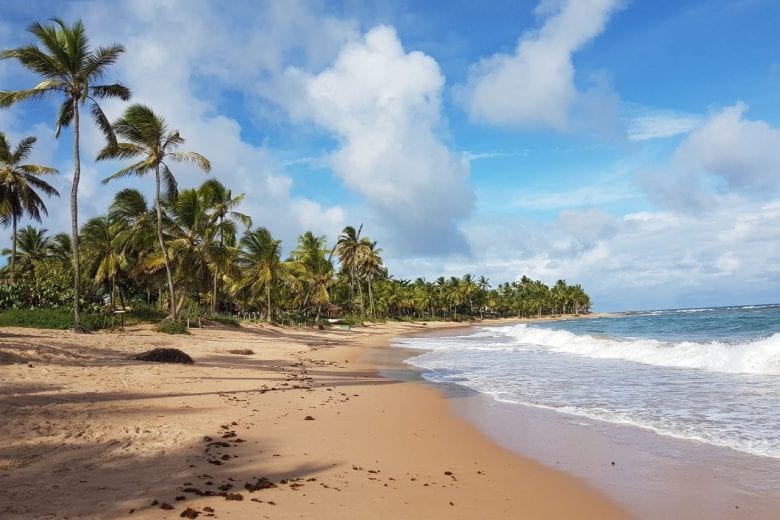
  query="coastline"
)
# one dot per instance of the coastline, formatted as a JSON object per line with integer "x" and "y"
{"x": 94, "y": 435}
{"x": 649, "y": 474}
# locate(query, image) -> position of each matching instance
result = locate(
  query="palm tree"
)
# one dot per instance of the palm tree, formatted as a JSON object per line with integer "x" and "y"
{"x": 352, "y": 250}
{"x": 223, "y": 209}
{"x": 103, "y": 252}
{"x": 18, "y": 185}
{"x": 33, "y": 245}
{"x": 260, "y": 259}
{"x": 149, "y": 137}
{"x": 370, "y": 268}
{"x": 71, "y": 67}
{"x": 314, "y": 270}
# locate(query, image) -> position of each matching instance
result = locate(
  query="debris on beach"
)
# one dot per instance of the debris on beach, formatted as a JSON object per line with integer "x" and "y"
{"x": 164, "y": 355}
{"x": 241, "y": 351}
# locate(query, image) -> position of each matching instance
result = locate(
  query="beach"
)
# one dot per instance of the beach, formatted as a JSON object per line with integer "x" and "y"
{"x": 304, "y": 427}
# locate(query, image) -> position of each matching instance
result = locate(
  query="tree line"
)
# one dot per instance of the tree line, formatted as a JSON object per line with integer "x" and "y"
{"x": 193, "y": 251}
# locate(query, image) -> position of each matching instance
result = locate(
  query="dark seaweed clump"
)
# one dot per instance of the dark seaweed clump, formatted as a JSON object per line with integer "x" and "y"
{"x": 165, "y": 355}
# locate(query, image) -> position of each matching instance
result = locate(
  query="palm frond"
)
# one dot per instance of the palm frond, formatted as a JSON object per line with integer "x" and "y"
{"x": 101, "y": 121}
{"x": 36, "y": 169}
{"x": 23, "y": 149}
{"x": 193, "y": 158}
{"x": 64, "y": 115}
{"x": 31, "y": 57}
{"x": 111, "y": 91}
{"x": 100, "y": 59}
{"x": 5, "y": 150}
{"x": 139, "y": 168}
{"x": 54, "y": 42}
{"x": 10, "y": 97}
{"x": 120, "y": 151}
{"x": 168, "y": 181}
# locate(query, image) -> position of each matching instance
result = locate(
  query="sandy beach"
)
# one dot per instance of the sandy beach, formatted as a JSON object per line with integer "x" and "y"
{"x": 304, "y": 427}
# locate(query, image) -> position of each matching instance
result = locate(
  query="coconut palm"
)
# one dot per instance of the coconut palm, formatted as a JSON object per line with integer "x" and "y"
{"x": 223, "y": 211}
{"x": 33, "y": 246}
{"x": 313, "y": 269}
{"x": 260, "y": 260}
{"x": 18, "y": 185}
{"x": 352, "y": 250}
{"x": 370, "y": 268}
{"x": 103, "y": 252}
{"x": 69, "y": 66}
{"x": 149, "y": 138}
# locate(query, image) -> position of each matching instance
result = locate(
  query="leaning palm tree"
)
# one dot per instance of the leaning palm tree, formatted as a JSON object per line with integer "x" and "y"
{"x": 18, "y": 185}
{"x": 71, "y": 67}
{"x": 149, "y": 138}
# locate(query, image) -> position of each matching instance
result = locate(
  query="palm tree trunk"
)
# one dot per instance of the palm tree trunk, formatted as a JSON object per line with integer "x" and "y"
{"x": 13, "y": 250}
{"x": 162, "y": 243}
{"x": 268, "y": 301}
{"x": 360, "y": 292}
{"x": 214, "y": 293}
{"x": 74, "y": 217}
{"x": 216, "y": 274}
{"x": 370, "y": 298}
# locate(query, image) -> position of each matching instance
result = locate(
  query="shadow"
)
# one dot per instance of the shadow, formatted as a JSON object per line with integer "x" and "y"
{"x": 105, "y": 479}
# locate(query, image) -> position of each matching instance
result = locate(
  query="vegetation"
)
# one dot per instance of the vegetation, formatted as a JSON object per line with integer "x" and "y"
{"x": 49, "y": 318}
{"x": 69, "y": 67}
{"x": 183, "y": 257}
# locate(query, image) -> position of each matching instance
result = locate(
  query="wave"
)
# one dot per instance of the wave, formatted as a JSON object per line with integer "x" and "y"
{"x": 755, "y": 357}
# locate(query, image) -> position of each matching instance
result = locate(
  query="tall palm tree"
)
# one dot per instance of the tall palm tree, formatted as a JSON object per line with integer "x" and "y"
{"x": 223, "y": 210}
{"x": 69, "y": 66}
{"x": 370, "y": 268}
{"x": 261, "y": 262}
{"x": 352, "y": 250}
{"x": 149, "y": 138}
{"x": 18, "y": 185}
{"x": 314, "y": 270}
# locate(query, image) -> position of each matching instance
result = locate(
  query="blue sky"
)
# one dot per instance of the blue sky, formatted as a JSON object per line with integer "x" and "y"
{"x": 631, "y": 146}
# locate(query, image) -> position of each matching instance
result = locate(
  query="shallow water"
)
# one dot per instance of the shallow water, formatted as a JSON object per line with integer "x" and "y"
{"x": 705, "y": 375}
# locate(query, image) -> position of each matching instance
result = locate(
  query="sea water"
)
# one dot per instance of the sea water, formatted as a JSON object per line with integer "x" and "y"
{"x": 706, "y": 375}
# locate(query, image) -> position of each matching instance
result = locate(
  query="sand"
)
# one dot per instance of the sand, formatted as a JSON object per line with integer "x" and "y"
{"x": 303, "y": 427}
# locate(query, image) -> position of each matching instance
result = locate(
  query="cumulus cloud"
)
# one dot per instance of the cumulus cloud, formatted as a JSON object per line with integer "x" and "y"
{"x": 534, "y": 86}
{"x": 384, "y": 105}
{"x": 744, "y": 154}
{"x": 726, "y": 159}
{"x": 182, "y": 60}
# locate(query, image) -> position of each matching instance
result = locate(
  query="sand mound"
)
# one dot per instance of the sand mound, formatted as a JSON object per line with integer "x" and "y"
{"x": 164, "y": 355}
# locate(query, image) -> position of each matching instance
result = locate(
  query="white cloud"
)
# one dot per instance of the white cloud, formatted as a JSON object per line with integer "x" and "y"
{"x": 727, "y": 159}
{"x": 660, "y": 124}
{"x": 743, "y": 153}
{"x": 534, "y": 86}
{"x": 171, "y": 48}
{"x": 384, "y": 105}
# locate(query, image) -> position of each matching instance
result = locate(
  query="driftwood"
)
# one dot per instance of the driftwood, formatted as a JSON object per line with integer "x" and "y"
{"x": 164, "y": 355}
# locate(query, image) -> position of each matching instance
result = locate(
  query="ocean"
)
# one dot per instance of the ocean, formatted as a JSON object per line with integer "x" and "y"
{"x": 708, "y": 375}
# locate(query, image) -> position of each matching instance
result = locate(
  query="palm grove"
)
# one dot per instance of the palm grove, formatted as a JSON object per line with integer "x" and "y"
{"x": 192, "y": 252}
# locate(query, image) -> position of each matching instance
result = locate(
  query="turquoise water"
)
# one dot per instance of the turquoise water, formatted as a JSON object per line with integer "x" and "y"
{"x": 706, "y": 375}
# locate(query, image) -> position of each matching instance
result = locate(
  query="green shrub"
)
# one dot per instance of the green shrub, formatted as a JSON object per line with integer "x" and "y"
{"x": 226, "y": 320}
{"x": 57, "y": 318}
{"x": 172, "y": 327}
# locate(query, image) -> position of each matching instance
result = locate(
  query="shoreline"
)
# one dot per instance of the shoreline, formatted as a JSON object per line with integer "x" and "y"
{"x": 649, "y": 474}
{"x": 95, "y": 435}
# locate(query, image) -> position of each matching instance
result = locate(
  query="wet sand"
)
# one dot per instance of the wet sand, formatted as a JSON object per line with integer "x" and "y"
{"x": 303, "y": 427}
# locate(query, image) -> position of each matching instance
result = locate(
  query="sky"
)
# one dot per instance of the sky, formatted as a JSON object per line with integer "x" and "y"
{"x": 631, "y": 146}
